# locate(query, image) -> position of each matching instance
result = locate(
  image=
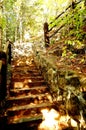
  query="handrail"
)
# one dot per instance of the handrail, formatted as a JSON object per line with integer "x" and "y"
{"x": 7, "y": 50}
{"x": 58, "y": 17}
{"x": 47, "y": 31}
{"x": 57, "y": 31}
{"x": 5, "y": 59}
{"x": 3, "y": 76}
{"x": 63, "y": 13}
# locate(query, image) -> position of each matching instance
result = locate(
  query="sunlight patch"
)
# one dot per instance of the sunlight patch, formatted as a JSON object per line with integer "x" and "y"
{"x": 52, "y": 120}
{"x": 49, "y": 120}
{"x": 18, "y": 85}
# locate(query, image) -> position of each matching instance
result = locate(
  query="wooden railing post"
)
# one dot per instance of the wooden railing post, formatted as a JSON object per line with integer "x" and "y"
{"x": 9, "y": 53}
{"x": 73, "y": 4}
{"x": 46, "y": 37}
{"x": 3, "y": 79}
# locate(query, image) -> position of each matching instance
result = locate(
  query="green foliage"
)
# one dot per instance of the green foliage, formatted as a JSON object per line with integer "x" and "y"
{"x": 31, "y": 15}
{"x": 3, "y": 24}
{"x": 73, "y": 19}
{"x": 8, "y": 19}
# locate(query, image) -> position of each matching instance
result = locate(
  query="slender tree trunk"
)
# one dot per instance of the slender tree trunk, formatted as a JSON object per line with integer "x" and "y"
{"x": 15, "y": 33}
{"x": 20, "y": 30}
{"x": 0, "y": 38}
{"x": 1, "y": 10}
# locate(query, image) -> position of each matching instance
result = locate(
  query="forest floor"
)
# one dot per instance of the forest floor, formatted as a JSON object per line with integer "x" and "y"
{"x": 69, "y": 56}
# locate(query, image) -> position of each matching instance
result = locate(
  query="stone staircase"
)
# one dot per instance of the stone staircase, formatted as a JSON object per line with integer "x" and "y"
{"x": 28, "y": 95}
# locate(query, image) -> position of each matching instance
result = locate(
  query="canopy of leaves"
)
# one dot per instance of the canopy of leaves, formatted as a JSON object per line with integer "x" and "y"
{"x": 20, "y": 16}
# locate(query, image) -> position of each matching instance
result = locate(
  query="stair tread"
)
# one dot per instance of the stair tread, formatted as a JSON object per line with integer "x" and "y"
{"x": 24, "y": 103}
{"x": 22, "y": 89}
{"x": 30, "y": 77}
{"x": 30, "y": 106}
{"x": 29, "y": 81}
{"x": 28, "y": 96}
{"x": 27, "y": 118}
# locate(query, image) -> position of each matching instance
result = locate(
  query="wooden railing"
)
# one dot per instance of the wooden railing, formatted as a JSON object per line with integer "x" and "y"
{"x": 3, "y": 71}
{"x": 5, "y": 59}
{"x": 51, "y": 29}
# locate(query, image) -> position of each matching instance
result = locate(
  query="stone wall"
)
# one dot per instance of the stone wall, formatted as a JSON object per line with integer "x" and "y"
{"x": 66, "y": 85}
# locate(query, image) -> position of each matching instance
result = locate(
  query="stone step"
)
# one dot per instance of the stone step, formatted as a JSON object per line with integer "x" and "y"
{"x": 29, "y": 96}
{"x": 27, "y": 91}
{"x": 26, "y": 74}
{"x": 29, "y": 106}
{"x": 17, "y": 85}
{"x": 29, "y": 99}
{"x": 28, "y": 80}
{"x": 31, "y": 78}
{"x": 25, "y": 66}
{"x": 28, "y": 69}
{"x": 26, "y": 113}
{"x": 27, "y": 118}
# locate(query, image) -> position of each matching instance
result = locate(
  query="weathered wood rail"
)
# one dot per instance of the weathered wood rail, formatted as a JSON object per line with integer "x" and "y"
{"x": 5, "y": 59}
{"x": 54, "y": 27}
